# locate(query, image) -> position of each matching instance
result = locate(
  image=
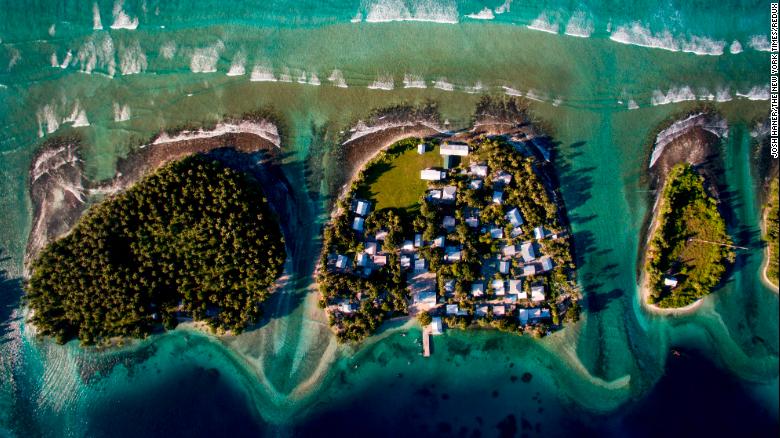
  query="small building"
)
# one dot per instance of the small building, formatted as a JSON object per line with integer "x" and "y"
{"x": 498, "y": 287}
{"x": 536, "y": 314}
{"x": 406, "y": 261}
{"x": 509, "y": 250}
{"x": 371, "y": 248}
{"x": 522, "y": 315}
{"x": 498, "y": 197}
{"x": 345, "y": 306}
{"x": 448, "y": 193}
{"x": 448, "y": 222}
{"x": 539, "y": 233}
{"x": 449, "y": 286}
{"x": 379, "y": 260}
{"x": 475, "y": 184}
{"x": 420, "y": 265}
{"x": 670, "y": 282}
{"x": 537, "y": 293}
{"x": 435, "y": 326}
{"x": 515, "y": 287}
{"x": 421, "y": 148}
{"x": 477, "y": 289}
{"x": 408, "y": 246}
{"x": 434, "y": 195}
{"x": 503, "y": 178}
{"x": 481, "y": 310}
{"x": 451, "y": 309}
{"x": 432, "y": 174}
{"x": 503, "y": 266}
{"x": 514, "y": 217}
{"x": 438, "y": 242}
{"x": 381, "y": 235}
{"x": 497, "y": 232}
{"x": 516, "y": 232}
{"x": 527, "y": 251}
{"x": 480, "y": 170}
{"x": 461, "y": 150}
{"x": 362, "y": 207}
{"x": 418, "y": 240}
{"x": 472, "y": 222}
{"x": 362, "y": 260}
{"x": 452, "y": 254}
{"x": 529, "y": 270}
{"x": 547, "y": 263}
{"x": 342, "y": 261}
{"x": 499, "y": 310}
{"x": 357, "y": 224}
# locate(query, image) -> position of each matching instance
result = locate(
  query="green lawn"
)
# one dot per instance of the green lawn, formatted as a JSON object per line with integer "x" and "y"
{"x": 396, "y": 183}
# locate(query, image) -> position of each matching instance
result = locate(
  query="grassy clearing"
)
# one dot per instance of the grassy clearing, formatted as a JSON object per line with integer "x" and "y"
{"x": 393, "y": 181}
{"x": 688, "y": 216}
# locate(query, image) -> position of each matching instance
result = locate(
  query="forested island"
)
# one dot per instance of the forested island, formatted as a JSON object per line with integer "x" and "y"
{"x": 690, "y": 246}
{"x": 465, "y": 233}
{"x": 772, "y": 229}
{"x": 193, "y": 239}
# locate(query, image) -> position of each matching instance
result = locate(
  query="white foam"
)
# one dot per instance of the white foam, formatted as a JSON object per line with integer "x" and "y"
{"x": 723, "y": 95}
{"x": 535, "y": 95}
{"x": 97, "y": 24}
{"x": 361, "y": 129}
{"x": 544, "y": 23}
{"x": 47, "y": 120}
{"x": 285, "y": 76}
{"x": 314, "y": 79}
{"x": 760, "y": 43}
{"x": 357, "y": 18}
{"x": 262, "y": 73}
{"x": 756, "y": 93}
{"x": 637, "y": 35}
{"x": 385, "y": 82}
{"x": 53, "y": 60}
{"x": 437, "y": 11}
{"x": 735, "y": 47}
{"x": 53, "y": 29}
{"x": 579, "y": 25}
{"x": 121, "y": 19}
{"x": 509, "y": 91}
{"x": 66, "y": 61}
{"x": 504, "y": 7}
{"x": 475, "y": 89}
{"x": 121, "y": 112}
{"x": 168, "y": 50}
{"x": 15, "y": 57}
{"x": 673, "y": 95}
{"x": 442, "y": 84}
{"x": 78, "y": 117}
{"x": 632, "y": 104}
{"x": 263, "y": 129}
{"x": 97, "y": 52}
{"x": 204, "y": 60}
{"x": 337, "y": 79}
{"x": 132, "y": 59}
{"x": 484, "y": 14}
{"x": 414, "y": 81}
{"x": 238, "y": 65}
{"x": 302, "y": 78}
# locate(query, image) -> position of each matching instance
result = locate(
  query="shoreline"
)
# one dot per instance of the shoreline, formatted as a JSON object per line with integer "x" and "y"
{"x": 767, "y": 257}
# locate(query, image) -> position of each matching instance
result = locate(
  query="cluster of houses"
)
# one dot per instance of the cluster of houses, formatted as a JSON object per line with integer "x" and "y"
{"x": 517, "y": 264}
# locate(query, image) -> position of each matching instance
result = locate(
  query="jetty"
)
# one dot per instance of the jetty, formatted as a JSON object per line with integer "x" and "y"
{"x": 426, "y": 338}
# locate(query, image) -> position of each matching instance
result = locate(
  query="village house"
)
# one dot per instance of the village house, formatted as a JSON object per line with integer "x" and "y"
{"x": 475, "y": 184}
{"x": 472, "y": 222}
{"x": 670, "y": 282}
{"x": 342, "y": 261}
{"x": 503, "y": 266}
{"x": 460, "y": 150}
{"x": 438, "y": 242}
{"x": 435, "y": 326}
{"x": 480, "y": 170}
{"x": 362, "y": 260}
{"x": 452, "y": 254}
{"x": 408, "y": 246}
{"x": 420, "y": 265}
{"x": 547, "y": 263}
{"x": 432, "y": 174}
{"x": 529, "y": 270}
{"x": 539, "y": 233}
{"x": 406, "y": 261}
{"x": 481, "y": 310}
{"x": 515, "y": 287}
{"x": 418, "y": 240}
{"x": 509, "y": 250}
{"x": 497, "y": 233}
{"x": 502, "y": 178}
{"x": 448, "y": 193}
{"x": 498, "y": 197}
{"x": 527, "y": 251}
{"x": 499, "y": 310}
{"x": 498, "y": 287}
{"x": 371, "y": 248}
{"x": 514, "y": 217}
{"x": 379, "y": 260}
{"x": 477, "y": 289}
{"x": 448, "y": 223}
{"x": 357, "y": 224}
{"x": 362, "y": 207}
{"x": 421, "y": 149}
{"x": 537, "y": 293}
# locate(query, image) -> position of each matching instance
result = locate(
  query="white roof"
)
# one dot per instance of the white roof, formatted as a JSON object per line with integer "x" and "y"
{"x": 529, "y": 270}
{"x": 522, "y": 315}
{"x": 496, "y": 232}
{"x": 498, "y": 196}
{"x": 379, "y": 260}
{"x": 503, "y": 267}
{"x": 381, "y": 235}
{"x": 547, "y": 263}
{"x": 357, "y": 224}
{"x": 481, "y": 310}
{"x": 498, "y": 287}
{"x": 529, "y": 254}
{"x": 475, "y": 184}
{"x": 508, "y": 250}
{"x": 448, "y": 192}
{"x": 342, "y": 261}
{"x": 473, "y": 222}
{"x": 406, "y": 261}
{"x": 503, "y": 177}
{"x": 436, "y": 326}
{"x": 448, "y": 221}
{"x": 537, "y": 293}
{"x": 477, "y": 289}
{"x": 362, "y": 207}
{"x": 515, "y": 286}
{"x": 454, "y": 149}
{"x": 514, "y": 217}
{"x": 438, "y": 242}
{"x": 452, "y": 309}
{"x": 499, "y": 309}
{"x": 431, "y": 174}
{"x": 362, "y": 259}
{"x": 419, "y": 265}
{"x": 418, "y": 240}
{"x": 370, "y": 248}
{"x": 479, "y": 169}
{"x": 408, "y": 245}
{"x": 670, "y": 281}
{"x": 539, "y": 233}
{"x": 421, "y": 148}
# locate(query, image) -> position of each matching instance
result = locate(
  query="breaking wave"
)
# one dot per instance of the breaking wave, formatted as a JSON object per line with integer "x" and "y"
{"x": 504, "y": 7}
{"x": 484, "y": 14}
{"x": 78, "y": 117}
{"x": 382, "y": 11}
{"x": 756, "y": 93}
{"x": 673, "y": 95}
{"x": 638, "y": 35}
{"x": 168, "y": 50}
{"x": 385, "y": 82}
{"x": 760, "y": 43}
{"x": 262, "y": 73}
{"x": 97, "y": 24}
{"x": 735, "y": 47}
{"x": 579, "y": 25}
{"x": 121, "y": 112}
{"x": 414, "y": 81}
{"x": 545, "y": 23}
{"x": 204, "y": 60}
{"x": 442, "y": 84}
{"x": 238, "y": 65}
{"x": 132, "y": 59}
{"x": 97, "y": 52}
{"x": 337, "y": 79}
{"x": 121, "y": 19}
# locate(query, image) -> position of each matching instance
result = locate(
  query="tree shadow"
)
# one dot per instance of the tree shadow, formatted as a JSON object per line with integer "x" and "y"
{"x": 11, "y": 293}
{"x": 598, "y": 302}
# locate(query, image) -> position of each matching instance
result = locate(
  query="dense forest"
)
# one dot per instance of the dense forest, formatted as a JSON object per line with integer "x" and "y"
{"x": 691, "y": 246}
{"x": 772, "y": 230}
{"x": 193, "y": 239}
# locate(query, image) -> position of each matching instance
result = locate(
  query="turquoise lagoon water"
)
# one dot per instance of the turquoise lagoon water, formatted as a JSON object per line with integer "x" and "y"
{"x": 602, "y": 75}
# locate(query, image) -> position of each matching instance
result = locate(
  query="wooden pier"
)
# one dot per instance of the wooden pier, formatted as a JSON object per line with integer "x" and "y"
{"x": 426, "y": 338}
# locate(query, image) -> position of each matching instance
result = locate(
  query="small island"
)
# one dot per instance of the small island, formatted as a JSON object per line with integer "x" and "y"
{"x": 772, "y": 230}
{"x": 459, "y": 233}
{"x": 194, "y": 239}
{"x": 690, "y": 247}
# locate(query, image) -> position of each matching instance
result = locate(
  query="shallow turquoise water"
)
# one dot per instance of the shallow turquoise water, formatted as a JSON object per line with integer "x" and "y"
{"x": 289, "y": 376}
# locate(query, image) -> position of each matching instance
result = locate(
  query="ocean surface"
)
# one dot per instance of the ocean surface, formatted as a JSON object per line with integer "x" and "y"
{"x": 602, "y": 76}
